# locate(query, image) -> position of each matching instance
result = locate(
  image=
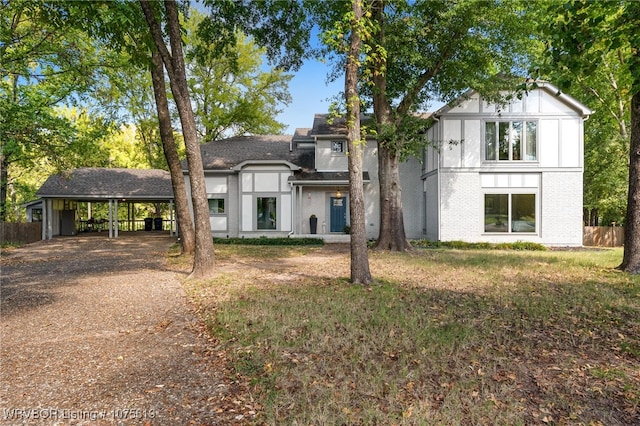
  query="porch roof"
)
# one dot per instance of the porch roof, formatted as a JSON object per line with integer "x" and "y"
{"x": 324, "y": 178}
{"x": 94, "y": 183}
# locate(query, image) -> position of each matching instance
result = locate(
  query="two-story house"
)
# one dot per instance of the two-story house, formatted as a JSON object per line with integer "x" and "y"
{"x": 506, "y": 173}
{"x": 490, "y": 173}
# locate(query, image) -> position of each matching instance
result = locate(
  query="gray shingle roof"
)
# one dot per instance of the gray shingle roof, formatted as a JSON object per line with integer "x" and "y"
{"x": 101, "y": 183}
{"x": 227, "y": 153}
{"x": 322, "y": 126}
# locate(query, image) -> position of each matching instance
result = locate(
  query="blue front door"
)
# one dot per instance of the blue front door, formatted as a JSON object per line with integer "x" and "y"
{"x": 338, "y": 214}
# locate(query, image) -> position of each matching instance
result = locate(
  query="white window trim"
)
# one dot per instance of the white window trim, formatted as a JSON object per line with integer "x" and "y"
{"x": 510, "y": 192}
{"x": 217, "y": 197}
{"x": 255, "y": 197}
{"x": 524, "y": 141}
{"x": 343, "y": 150}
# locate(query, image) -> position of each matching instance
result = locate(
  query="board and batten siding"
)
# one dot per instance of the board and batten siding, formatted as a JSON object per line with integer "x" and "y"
{"x": 265, "y": 181}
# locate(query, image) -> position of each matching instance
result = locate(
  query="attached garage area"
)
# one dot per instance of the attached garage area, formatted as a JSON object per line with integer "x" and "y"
{"x": 108, "y": 201}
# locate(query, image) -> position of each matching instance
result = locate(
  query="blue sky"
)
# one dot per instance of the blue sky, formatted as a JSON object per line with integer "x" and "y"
{"x": 310, "y": 95}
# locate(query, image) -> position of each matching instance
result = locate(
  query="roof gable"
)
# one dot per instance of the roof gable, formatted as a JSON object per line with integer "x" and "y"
{"x": 543, "y": 86}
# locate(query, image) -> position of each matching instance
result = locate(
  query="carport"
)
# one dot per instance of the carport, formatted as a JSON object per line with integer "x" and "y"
{"x": 61, "y": 194}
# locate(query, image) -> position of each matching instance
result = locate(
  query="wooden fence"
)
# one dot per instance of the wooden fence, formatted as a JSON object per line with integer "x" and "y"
{"x": 24, "y": 233}
{"x": 603, "y": 236}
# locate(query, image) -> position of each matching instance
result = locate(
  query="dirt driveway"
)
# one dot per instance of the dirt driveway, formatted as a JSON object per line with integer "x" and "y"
{"x": 99, "y": 331}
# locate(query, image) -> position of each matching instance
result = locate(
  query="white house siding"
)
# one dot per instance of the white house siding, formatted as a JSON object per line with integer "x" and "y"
{"x": 316, "y": 199}
{"x": 456, "y": 179}
{"x": 432, "y": 207}
{"x": 327, "y": 160}
{"x": 561, "y": 202}
{"x": 471, "y": 145}
{"x": 265, "y": 181}
{"x": 460, "y": 214}
{"x": 412, "y": 198}
{"x": 218, "y": 187}
{"x": 233, "y": 209}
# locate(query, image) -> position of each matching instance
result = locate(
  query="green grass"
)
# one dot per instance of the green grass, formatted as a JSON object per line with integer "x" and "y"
{"x": 446, "y": 337}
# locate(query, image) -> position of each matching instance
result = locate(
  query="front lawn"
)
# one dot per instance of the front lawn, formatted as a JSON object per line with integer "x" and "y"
{"x": 446, "y": 336}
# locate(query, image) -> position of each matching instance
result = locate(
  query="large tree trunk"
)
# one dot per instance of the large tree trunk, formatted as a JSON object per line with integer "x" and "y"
{"x": 185, "y": 224}
{"x": 360, "y": 272}
{"x": 392, "y": 236}
{"x": 631, "y": 259}
{"x": 203, "y": 263}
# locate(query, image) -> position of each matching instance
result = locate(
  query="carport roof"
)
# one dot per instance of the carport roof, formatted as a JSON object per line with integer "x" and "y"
{"x": 93, "y": 183}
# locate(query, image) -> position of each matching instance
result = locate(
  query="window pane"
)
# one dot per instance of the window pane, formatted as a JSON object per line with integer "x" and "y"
{"x": 267, "y": 213}
{"x": 496, "y": 208}
{"x": 216, "y": 206}
{"x": 516, "y": 140}
{"x": 490, "y": 141}
{"x": 503, "y": 140}
{"x": 523, "y": 213}
{"x": 532, "y": 140}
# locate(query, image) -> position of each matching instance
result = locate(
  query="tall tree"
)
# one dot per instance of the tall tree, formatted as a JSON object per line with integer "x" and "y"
{"x": 171, "y": 154}
{"x": 360, "y": 273}
{"x": 121, "y": 25}
{"x": 233, "y": 94}
{"x": 582, "y": 35}
{"x": 43, "y": 64}
{"x": 432, "y": 50}
{"x": 173, "y": 60}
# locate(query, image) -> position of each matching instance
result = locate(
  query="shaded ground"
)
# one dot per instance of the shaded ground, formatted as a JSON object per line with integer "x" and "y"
{"x": 99, "y": 331}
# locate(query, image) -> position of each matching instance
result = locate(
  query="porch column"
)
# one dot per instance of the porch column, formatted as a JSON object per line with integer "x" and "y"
{"x": 44, "y": 219}
{"x": 50, "y": 219}
{"x": 110, "y": 218}
{"x": 299, "y": 200}
{"x": 115, "y": 230}
{"x": 171, "y": 218}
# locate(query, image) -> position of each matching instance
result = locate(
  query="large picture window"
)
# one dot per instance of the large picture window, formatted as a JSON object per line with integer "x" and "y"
{"x": 510, "y": 213}
{"x": 267, "y": 214}
{"x": 510, "y": 140}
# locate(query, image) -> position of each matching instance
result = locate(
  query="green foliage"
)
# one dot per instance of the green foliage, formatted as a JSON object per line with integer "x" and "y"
{"x": 232, "y": 95}
{"x": 590, "y": 51}
{"x": 264, "y": 241}
{"x": 462, "y": 245}
{"x": 46, "y": 66}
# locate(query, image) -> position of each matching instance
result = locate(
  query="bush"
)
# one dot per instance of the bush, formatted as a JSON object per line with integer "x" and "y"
{"x": 264, "y": 241}
{"x": 461, "y": 245}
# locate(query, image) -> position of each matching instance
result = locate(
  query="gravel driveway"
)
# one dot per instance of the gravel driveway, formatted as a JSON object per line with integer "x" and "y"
{"x": 99, "y": 331}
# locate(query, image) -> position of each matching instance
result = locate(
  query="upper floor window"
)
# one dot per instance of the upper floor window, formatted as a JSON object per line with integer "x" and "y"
{"x": 337, "y": 146}
{"x": 510, "y": 140}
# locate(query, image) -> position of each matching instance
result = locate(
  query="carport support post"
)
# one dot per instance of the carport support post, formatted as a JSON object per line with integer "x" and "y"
{"x": 115, "y": 220}
{"x": 113, "y": 231}
{"x": 110, "y": 217}
{"x": 171, "y": 218}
